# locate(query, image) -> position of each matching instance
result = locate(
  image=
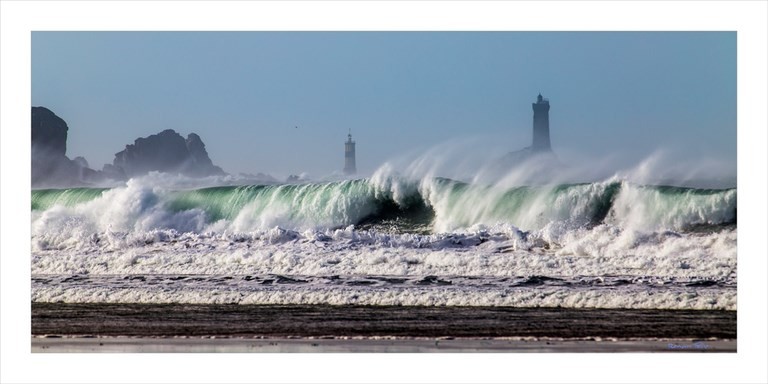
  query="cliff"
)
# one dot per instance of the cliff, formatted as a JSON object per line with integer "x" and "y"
{"x": 50, "y": 165}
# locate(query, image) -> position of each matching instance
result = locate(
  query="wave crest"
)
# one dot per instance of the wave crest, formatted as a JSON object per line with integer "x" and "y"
{"x": 384, "y": 203}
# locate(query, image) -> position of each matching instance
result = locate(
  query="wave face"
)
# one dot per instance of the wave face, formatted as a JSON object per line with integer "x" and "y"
{"x": 429, "y": 206}
{"x": 43, "y": 199}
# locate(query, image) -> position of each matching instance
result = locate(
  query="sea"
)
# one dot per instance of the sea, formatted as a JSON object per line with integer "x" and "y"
{"x": 388, "y": 240}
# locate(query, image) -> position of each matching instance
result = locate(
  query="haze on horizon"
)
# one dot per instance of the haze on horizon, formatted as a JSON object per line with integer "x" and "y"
{"x": 282, "y": 102}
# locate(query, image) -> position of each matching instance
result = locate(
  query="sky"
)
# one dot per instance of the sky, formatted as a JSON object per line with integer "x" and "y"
{"x": 283, "y": 102}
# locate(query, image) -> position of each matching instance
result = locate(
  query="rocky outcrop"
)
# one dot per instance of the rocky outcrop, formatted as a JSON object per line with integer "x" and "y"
{"x": 50, "y": 165}
{"x": 49, "y": 133}
{"x": 167, "y": 152}
{"x": 164, "y": 152}
{"x": 199, "y": 163}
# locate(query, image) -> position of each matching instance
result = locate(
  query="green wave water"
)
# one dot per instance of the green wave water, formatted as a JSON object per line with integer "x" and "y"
{"x": 43, "y": 199}
{"x": 443, "y": 205}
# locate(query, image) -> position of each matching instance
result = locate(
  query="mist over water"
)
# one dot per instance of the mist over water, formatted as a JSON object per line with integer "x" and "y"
{"x": 480, "y": 160}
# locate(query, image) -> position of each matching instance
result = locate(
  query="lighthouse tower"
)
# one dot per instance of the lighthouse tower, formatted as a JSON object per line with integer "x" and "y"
{"x": 349, "y": 156}
{"x": 541, "y": 125}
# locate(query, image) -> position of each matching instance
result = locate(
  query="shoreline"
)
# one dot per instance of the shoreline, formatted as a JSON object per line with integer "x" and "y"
{"x": 60, "y": 327}
{"x": 118, "y": 344}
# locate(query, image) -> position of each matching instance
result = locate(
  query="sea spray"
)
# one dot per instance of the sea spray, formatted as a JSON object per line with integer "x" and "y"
{"x": 676, "y": 208}
{"x": 459, "y": 205}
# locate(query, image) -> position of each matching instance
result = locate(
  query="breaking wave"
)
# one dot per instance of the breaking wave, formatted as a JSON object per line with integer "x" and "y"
{"x": 434, "y": 205}
{"x": 433, "y": 241}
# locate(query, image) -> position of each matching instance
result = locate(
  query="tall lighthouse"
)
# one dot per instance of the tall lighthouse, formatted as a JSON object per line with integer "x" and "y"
{"x": 349, "y": 156}
{"x": 541, "y": 125}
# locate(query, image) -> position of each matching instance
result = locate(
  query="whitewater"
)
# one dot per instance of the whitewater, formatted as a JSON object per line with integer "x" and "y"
{"x": 388, "y": 240}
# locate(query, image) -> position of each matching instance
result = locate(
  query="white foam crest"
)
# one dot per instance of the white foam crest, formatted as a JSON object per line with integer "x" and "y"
{"x": 133, "y": 210}
{"x": 530, "y": 209}
{"x": 649, "y": 298}
{"x": 307, "y": 206}
{"x": 492, "y": 177}
{"x": 603, "y": 250}
{"x": 139, "y": 207}
{"x": 663, "y": 253}
{"x": 391, "y": 184}
{"x": 648, "y": 208}
{"x": 482, "y": 202}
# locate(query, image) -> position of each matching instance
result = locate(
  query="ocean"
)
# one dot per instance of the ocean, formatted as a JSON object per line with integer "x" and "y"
{"x": 388, "y": 241}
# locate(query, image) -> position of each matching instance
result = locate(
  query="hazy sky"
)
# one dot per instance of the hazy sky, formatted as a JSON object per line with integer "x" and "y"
{"x": 244, "y": 93}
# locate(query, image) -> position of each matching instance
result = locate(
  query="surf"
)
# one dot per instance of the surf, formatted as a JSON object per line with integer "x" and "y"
{"x": 436, "y": 205}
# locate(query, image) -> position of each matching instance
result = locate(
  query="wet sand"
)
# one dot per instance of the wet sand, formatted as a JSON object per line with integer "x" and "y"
{"x": 59, "y": 327}
{"x": 368, "y": 345}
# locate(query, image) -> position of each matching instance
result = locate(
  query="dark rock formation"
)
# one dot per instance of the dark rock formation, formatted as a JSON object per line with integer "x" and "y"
{"x": 50, "y": 165}
{"x": 49, "y": 132}
{"x": 168, "y": 152}
{"x": 199, "y": 163}
{"x": 164, "y": 152}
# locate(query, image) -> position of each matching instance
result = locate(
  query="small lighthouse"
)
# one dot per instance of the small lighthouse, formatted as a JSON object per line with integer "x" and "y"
{"x": 541, "y": 125}
{"x": 349, "y": 156}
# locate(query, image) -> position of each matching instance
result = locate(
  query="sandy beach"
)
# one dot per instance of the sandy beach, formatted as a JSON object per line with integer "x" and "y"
{"x": 59, "y": 327}
{"x": 368, "y": 345}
